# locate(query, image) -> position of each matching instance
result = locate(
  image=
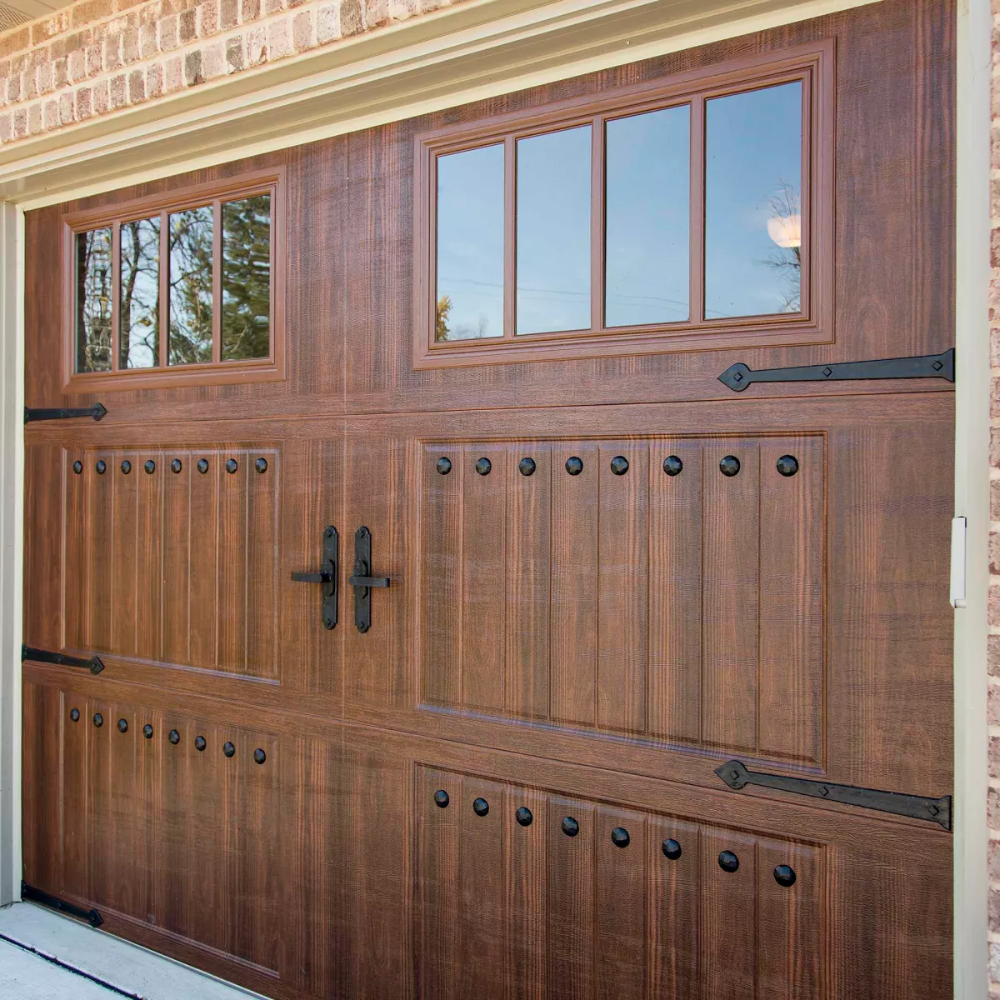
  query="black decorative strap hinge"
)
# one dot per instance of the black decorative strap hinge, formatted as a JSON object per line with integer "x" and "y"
{"x": 33, "y": 895}
{"x": 93, "y": 663}
{"x": 736, "y": 775}
{"x": 739, "y": 376}
{"x": 33, "y": 413}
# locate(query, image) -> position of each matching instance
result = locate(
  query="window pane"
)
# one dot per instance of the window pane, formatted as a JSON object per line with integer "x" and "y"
{"x": 93, "y": 301}
{"x": 139, "y": 317}
{"x": 246, "y": 278}
{"x": 753, "y": 191}
{"x": 469, "y": 293}
{"x": 190, "y": 234}
{"x": 648, "y": 169}
{"x": 553, "y": 231}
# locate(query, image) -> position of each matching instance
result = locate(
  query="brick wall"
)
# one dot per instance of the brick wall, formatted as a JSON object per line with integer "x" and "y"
{"x": 993, "y": 702}
{"x": 96, "y": 57}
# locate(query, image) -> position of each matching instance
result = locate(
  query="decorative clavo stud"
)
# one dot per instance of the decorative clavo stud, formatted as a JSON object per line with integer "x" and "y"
{"x": 620, "y": 837}
{"x": 444, "y": 466}
{"x": 260, "y": 465}
{"x": 122, "y": 725}
{"x": 147, "y": 731}
{"x": 483, "y": 466}
{"x": 98, "y": 719}
{"x": 728, "y": 861}
{"x": 228, "y": 749}
{"x": 526, "y": 466}
{"x": 174, "y": 737}
{"x": 671, "y": 849}
{"x": 126, "y": 467}
{"x": 730, "y": 465}
{"x": 200, "y": 743}
{"x": 523, "y": 816}
{"x": 231, "y": 465}
{"x": 672, "y": 465}
{"x": 203, "y": 465}
{"x": 788, "y": 465}
{"x": 175, "y": 465}
{"x": 78, "y": 467}
{"x": 619, "y": 465}
{"x": 784, "y": 875}
{"x": 101, "y": 467}
{"x": 574, "y": 465}
{"x": 259, "y": 756}
{"x": 150, "y": 467}
{"x": 75, "y": 714}
{"x": 441, "y": 799}
{"x": 480, "y": 807}
{"x": 570, "y": 826}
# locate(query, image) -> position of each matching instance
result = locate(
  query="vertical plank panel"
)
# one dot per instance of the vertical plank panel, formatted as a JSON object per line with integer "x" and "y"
{"x": 177, "y": 517}
{"x": 262, "y": 564}
{"x": 791, "y": 601}
{"x": 675, "y": 592}
{"x": 42, "y": 803}
{"x": 620, "y": 906}
{"x": 149, "y": 554}
{"x": 484, "y": 560}
{"x": 731, "y": 563}
{"x": 101, "y": 566}
{"x": 75, "y": 739}
{"x": 529, "y": 544}
{"x": 527, "y": 894}
{"x": 204, "y": 543}
{"x": 125, "y": 548}
{"x": 728, "y": 927}
{"x": 207, "y": 865}
{"x": 571, "y": 902}
{"x": 233, "y": 582}
{"x": 573, "y": 630}
{"x": 176, "y": 885}
{"x": 75, "y": 535}
{"x": 624, "y": 580}
{"x": 441, "y": 576}
{"x": 674, "y": 905}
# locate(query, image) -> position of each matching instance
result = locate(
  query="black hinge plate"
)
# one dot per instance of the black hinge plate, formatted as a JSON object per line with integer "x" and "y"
{"x": 93, "y": 663}
{"x": 33, "y": 413}
{"x": 33, "y": 895}
{"x": 739, "y": 376}
{"x": 736, "y": 775}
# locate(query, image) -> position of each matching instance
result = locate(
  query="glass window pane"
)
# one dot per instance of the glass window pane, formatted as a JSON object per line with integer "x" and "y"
{"x": 753, "y": 191}
{"x": 93, "y": 301}
{"x": 139, "y": 316}
{"x": 469, "y": 293}
{"x": 553, "y": 231}
{"x": 648, "y": 167}
{"x": 246, "y": 278}
{"x": 190, "y": 234}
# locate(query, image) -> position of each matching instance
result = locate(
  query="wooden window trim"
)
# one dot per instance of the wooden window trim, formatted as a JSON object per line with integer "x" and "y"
{"x": 813, "y": 64}
{"x": 217, "y": 372}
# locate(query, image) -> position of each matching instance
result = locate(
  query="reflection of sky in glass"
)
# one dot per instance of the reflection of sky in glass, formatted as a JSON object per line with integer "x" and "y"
{"x": 140, "y": 293}
{"x": 553, "y": 231}
{"x": 753, "y": 154}
{"x": 647, "y": 171}
{"x": 470, "y": 244}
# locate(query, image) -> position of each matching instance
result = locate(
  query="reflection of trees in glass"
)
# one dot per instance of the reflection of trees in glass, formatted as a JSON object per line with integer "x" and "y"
{"x": 139, "y": 325}
{"x": 444, "y": 329}
{"x": 786, "y": 261}
{"x": 93, "y": 301}
{"x": 190, "y": 234}
{"x": 441, "y": 330}
{"x": 246, "y": 278}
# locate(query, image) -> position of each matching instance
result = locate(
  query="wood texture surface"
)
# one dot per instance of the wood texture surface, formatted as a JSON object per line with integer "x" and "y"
{"x": 589, "y": 646}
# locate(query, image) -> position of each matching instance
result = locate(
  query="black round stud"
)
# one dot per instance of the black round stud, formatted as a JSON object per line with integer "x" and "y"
{"x": 730, "y": 465}
{"x": 728, "y": 861}
{"x": 784, "y": 875}
{"x": 671, "y": 849}
{"x": 788, "y": 465}
{"x": 441, "y": 799}
{"x": 619, "y": 465}
{"x": 228, "y": 749}
{"x": 620, "y": 837}
{"x": 259, "y": 756}
{"x": 523, "y": 816}
{"x": 574, "y": 465}
{"x": 480, "y": 807}
{"x": 672, "y": 465}
{"x": 570, "y": 826}
{"x": 444, "y": 466}
{"x": 150, "y": 467}
{"x": 78, "y": 467}
{"x": 174, "y": 737}
{"x": 175, "y": 465}
{"x": 526, "y": 466}
{"x": 126, "y": 467}
{"x": 74, "y": 714}
{"x": 147, "y": 731}
{"x": 101, "y": 467}
{"x": 260, "y": 465}
{"x": 200, "y": 743}
{"x": 98, "y": 719}
{"x": 203, "y": 465}
{"x": 483, "y": 466}
{"x": 123, "y": 725}
{"x": 231, "y": 465}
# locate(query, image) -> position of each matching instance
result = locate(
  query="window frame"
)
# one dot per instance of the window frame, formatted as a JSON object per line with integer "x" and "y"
{"x": 214, "y": 372}
{"x": 811, "y": 64}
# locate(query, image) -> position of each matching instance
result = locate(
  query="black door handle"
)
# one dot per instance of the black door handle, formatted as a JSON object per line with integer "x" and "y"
{"x": 362, "y": 581}
{"x": 327, "y": 576}
{"x": 367, "y": 581}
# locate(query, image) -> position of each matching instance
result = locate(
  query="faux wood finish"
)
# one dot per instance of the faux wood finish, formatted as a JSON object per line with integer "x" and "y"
{"x": 589, "y": 646}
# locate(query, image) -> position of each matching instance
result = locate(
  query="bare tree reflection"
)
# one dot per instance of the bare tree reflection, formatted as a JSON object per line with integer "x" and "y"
{"x": 246, "y": 278}
{"x": 93, "y": 300}
{"x": 190, "y": 284}
{"x": 139, "y": 325}
{"x": 785, "y": 229}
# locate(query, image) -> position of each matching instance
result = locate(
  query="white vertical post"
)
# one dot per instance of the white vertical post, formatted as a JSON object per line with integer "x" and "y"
{"x": 972, "y": 456}
{"x": 11, "y": 500}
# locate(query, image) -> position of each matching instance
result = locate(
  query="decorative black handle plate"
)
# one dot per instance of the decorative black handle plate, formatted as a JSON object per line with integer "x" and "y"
{"x": 33, "y": 413}
{"x": 326, "y": 575}
{"x": 91, "y": 663}
{"x": 739, "y": 376}
{"x": 362, "y": 581}
{"x": 736, "y": 775}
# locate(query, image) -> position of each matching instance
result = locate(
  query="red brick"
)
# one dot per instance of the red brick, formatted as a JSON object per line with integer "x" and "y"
{"x": 60, "y": 74}
{"x": 15, "y": 41}
{"x": 328, "y": 23}
{"x": 13, "y": 88}
{"x": 154, "y": 80}
{"x": 256, "y": 46}
{"x": 302, "y": 31}
{"x": 192, "y": 68}
{"x": 994, "y": 860}
{"x": 994, "y": 605}
{"x": 50, "y": 115}
{"x": 234, "y": 53}
{"x": 118, "y": 92}
{"x": 173, "y": 75}
{"x": 187, "y": 25}
{"x": 136, "y": 86}
{"x": 20, "y": 123}
{"x": 228, "y": 14}
{"x": 95, "y": 65}
{"x": 351, "y": 19}
{"x": 44, "y": 77}
{"x": 993, "y": 808}
{"x": 6, "y": 127}
{"x": 279, "y": 42}
{"x": 35, "y": 119}
{"x": 993, "y": 654}
{"x": 147, "y": 41}
{"x": 65, "y": 108}
{"x": 208, "y": 18}
{"x": 86, "y": 12}
{"x": 130, "y": 46}
{"x": 100, "y": 97}
{"x": 213, "y": 60}
{"x": 168, "y": 33}
{"x": 995, "y": 553}
{"x": 249, "y": 10}
{"x": 83, "y": 103}
{"x": 993, "y": 705}
{"x": 113, "y": 52}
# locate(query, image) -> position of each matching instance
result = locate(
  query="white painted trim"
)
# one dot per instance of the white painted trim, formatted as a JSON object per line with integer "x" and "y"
{"x": 11, "y": 556}
{"x": 972, "y": 450}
